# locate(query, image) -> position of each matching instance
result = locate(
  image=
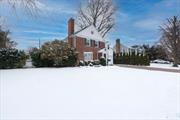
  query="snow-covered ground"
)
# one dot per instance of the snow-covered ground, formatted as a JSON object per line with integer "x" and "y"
{"x": 167, "y": 66}
{"x": 89, "y": 93}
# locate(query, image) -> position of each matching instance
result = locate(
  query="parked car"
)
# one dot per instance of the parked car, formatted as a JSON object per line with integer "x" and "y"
{"x": 161, "y": 61}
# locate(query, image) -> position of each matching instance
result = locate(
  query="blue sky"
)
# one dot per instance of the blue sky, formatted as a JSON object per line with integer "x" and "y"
{"x": 137, "y": 21}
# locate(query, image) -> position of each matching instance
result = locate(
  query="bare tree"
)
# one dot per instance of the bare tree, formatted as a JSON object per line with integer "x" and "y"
{"x": 5, "y": 41}
{"x": 170, "y": 39}
{"x": 100, "y": 13}
{"x": 30, "y": 6}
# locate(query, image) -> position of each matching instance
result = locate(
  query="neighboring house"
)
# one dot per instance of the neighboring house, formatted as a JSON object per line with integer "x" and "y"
{"x": 108, "y": 52}
{"x": 120, "y": 48}
{"x": 88, "y": 42}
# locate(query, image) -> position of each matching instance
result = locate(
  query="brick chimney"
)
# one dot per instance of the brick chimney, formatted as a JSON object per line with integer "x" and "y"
{"x": 70, "y": 31}
{"x": 70, "y": 26}
{"x": 118, "y": 46}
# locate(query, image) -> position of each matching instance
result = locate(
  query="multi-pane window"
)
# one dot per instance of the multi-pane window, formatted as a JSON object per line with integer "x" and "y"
{"x": 88, "y": 56}
{"x": 92, "y": 43}
{"x": 87, "y": 42}
{"x": 96, "y": 44}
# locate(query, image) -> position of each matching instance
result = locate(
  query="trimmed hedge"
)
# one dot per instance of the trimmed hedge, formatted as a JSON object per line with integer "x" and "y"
{"x": 12, "y": 58}
{"x": 131, "y": 59}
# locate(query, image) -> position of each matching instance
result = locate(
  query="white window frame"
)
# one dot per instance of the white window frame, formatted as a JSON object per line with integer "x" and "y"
{"x": 96, "y": 43}
{"x": 88, "y": 56}
{"x": 89, "y": 42}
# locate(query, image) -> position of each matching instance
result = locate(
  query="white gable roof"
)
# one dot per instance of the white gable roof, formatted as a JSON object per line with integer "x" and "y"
{"x": 76, "y": 27}
{"x": 90, "y": 33}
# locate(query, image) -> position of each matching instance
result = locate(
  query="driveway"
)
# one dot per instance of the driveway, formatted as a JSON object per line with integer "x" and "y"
{"x": 150, "y": 68}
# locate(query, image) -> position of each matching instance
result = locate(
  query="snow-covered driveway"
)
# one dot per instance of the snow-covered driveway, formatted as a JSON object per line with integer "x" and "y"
{"x": 89, "y": 93}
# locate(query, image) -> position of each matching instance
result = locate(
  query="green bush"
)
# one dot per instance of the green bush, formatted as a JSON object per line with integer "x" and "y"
{"x": 102, "y": 61}
{"x": 54, "y": 54}
{"x": 131, "y": 59}
{"x": 35, "y": 56}
{"x": 89, "y": 63}
{"x": 37, "y": 60}
{"x": 85, "y": 63}
{"x": 81, "y": 63}
{"x": 12, "y": 58}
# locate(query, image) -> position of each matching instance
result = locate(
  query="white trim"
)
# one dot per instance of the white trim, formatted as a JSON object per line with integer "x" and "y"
{"x": 97, "y": 44}
{"x": 86, "y": 33}
{"x": 87, "y": 39}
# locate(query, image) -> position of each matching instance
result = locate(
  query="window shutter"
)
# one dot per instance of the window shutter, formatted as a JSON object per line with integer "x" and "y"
{"x": 99, "y": 44}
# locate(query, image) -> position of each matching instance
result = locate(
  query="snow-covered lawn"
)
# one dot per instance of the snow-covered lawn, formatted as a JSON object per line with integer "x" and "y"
{"x": 89, "y": 93}
{"x": 167, "y": 66}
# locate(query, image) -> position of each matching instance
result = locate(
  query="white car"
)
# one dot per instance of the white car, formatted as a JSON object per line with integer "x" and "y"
{"x": 161, "y": 61}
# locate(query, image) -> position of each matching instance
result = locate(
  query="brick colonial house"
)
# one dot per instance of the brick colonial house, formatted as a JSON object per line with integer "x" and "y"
{"x": 90, "y": 45}
{"x": 88, "y": 42}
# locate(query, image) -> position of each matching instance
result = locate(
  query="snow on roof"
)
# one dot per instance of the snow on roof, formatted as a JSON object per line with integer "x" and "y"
{"x": 104, "y": 51}
{"x": 90, "y": 32}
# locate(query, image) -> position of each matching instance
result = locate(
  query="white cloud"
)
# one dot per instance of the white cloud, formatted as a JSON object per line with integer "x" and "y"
{"x": 3, "y": 23}
{"x": 41, "y": 32}
{"x": 148, "y": 24}
{"x": 168, "y": 4}
{"x": 123, "y": 17}
{"x": 157, "y": 14}
{"x": 39, "y": 7}
{"x": 27, "y": 42}
{"x": 56, "y": 8}
{"x": 123, "y": 14}
{"x": 19, "y": 4}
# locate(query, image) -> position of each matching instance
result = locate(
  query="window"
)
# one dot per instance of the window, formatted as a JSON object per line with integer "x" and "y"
{"x": 88, "y": 56}
{"x": 87, "y": 42}
{"x": 96, "y": 44}
{"x": 92, "y": 43}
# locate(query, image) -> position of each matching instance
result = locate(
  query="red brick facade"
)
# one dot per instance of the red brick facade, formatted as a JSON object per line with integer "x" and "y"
{"x": 81, "y": 48}
{"x": 79, "y": 43}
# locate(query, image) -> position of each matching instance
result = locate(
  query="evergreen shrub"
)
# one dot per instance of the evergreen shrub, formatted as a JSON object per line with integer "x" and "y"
{"x": 12, "y": 58}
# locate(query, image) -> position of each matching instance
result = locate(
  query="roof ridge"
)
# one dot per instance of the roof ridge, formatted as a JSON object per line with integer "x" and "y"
{"x": 82, "y": 29}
